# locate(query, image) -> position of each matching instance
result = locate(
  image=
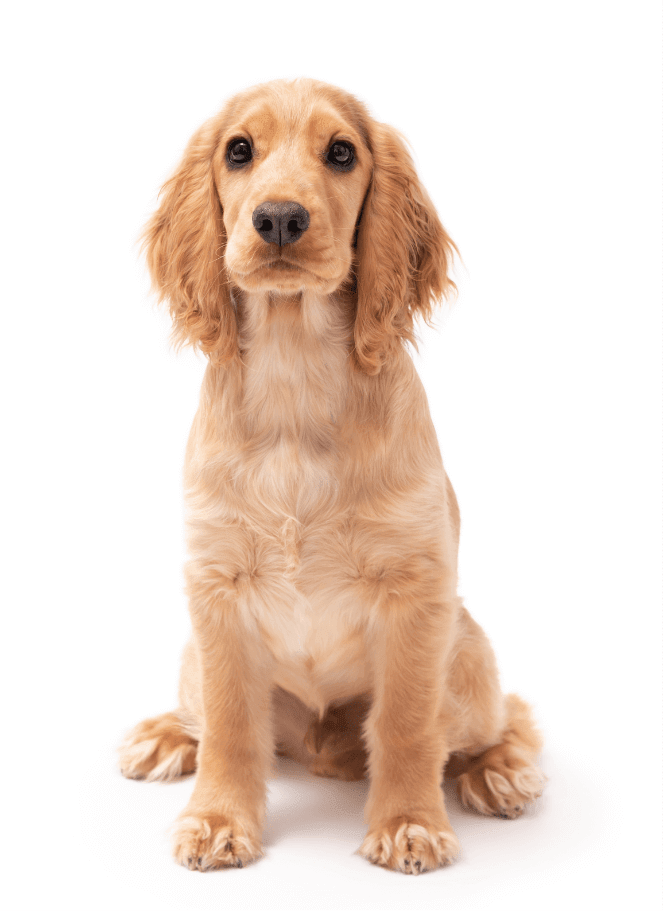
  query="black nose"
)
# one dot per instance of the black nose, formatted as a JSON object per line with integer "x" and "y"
{"x": 280, "y": 222}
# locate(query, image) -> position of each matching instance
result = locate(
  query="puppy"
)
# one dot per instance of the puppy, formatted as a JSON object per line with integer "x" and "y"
{"x": 295, "y": 246}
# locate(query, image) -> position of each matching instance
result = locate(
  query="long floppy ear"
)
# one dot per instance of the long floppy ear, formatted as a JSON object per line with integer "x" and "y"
{"x": 185, "y": 244}
{"x": 403, "y": 253}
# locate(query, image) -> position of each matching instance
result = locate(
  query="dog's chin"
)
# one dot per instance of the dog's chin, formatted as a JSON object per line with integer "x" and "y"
{"x": 284, "y": 277}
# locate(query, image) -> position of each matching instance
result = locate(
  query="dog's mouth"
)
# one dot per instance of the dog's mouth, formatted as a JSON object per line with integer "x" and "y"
{"x": 272, "y": 268}
{"x": 283, "y": 264}
{"x": 277, "y": 264}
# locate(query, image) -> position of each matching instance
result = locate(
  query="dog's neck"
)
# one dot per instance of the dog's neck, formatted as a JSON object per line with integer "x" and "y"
{"x": 295, "y": 349}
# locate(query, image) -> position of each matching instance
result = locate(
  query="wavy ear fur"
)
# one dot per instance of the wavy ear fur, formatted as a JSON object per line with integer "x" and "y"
{"x": 403, "y": 253}
{"x": 184, "y": 242}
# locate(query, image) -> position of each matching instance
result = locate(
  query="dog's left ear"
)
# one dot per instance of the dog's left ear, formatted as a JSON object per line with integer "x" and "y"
{"x": 403, "y": 253}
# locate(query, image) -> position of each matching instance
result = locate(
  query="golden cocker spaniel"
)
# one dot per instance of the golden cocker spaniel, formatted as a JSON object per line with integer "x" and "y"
{"x": 296, "y": 245}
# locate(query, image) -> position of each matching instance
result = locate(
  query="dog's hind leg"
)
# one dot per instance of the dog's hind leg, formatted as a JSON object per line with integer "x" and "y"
{"x": 159, "y": 749}
{"x": 165, "y": 748}
{"x": 503, "y": 779}
{"x": 495, "y": 742}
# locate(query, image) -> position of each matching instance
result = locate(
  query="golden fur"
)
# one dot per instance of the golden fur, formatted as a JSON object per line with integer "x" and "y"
{"x": 322, "y": 528}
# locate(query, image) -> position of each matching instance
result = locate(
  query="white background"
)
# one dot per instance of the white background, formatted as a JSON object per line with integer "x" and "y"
{"x": 535, "y": 127}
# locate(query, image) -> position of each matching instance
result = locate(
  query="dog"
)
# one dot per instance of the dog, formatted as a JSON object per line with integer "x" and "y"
{"x": 296, "y": 247}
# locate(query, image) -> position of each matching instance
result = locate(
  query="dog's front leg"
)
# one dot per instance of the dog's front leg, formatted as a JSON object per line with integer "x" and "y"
{"x": 409, "y": 829}
{"x": 222, "y": 824}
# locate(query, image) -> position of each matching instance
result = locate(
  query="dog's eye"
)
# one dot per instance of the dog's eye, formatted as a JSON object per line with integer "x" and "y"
{"x": 239, "y": 152}
{"x": 341, "y": 155}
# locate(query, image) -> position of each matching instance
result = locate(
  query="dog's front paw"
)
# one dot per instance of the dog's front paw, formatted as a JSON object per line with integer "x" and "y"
{"x": 210, "y": 842}
{"x": 409, "y": 846}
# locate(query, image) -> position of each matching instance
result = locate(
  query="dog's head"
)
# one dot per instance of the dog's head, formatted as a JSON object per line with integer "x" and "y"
{"x": 293, "y": 187}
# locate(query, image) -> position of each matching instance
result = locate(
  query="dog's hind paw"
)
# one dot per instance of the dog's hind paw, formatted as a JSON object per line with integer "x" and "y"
{"x": 158, "y": 749}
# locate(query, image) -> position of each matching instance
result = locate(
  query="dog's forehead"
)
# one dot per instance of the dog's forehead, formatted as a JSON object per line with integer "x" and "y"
{"x": 286, "y": 111}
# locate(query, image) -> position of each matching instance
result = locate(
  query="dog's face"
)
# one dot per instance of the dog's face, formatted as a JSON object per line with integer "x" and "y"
{"x": 291, "y": 173}
{"x": 294, "y": 187}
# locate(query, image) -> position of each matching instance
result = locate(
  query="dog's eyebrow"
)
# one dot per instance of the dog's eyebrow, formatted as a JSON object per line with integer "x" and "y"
{"x": 356, "y": 121}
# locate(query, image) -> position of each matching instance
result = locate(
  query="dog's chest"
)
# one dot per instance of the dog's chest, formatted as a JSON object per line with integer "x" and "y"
{"x": 294, "y": 397}
{"x": 295, "y": 386}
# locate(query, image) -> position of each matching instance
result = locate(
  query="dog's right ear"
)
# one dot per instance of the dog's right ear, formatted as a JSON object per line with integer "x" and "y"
{"x": 185, "y": 244}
